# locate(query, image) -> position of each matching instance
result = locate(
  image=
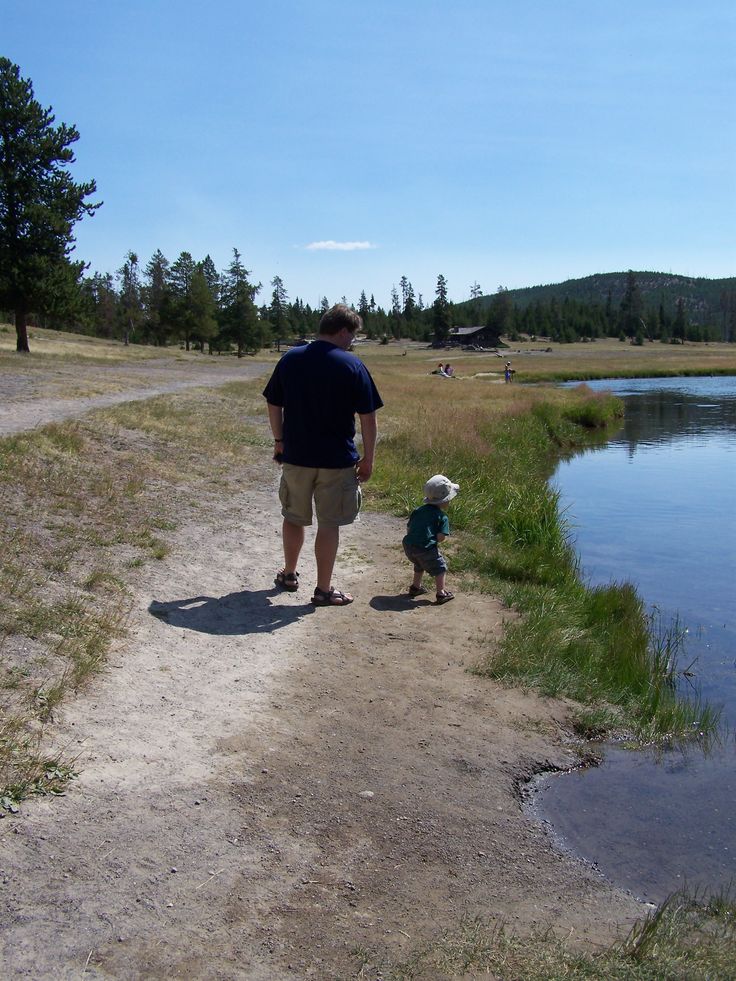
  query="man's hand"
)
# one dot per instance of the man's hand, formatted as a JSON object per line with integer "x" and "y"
{"x": 363, "y": 470}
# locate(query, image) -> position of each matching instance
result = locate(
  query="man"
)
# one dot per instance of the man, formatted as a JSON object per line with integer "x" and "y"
{"x": 313, "y": 396}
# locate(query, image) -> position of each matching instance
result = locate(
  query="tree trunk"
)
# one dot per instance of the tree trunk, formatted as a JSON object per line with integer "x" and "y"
{"x": 21, "y": 331}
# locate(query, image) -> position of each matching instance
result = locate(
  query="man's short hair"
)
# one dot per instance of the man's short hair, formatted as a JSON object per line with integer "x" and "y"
{"x": 337, "y": 317}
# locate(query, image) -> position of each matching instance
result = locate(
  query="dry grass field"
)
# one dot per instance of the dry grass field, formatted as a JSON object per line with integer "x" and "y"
{"x": 540, "y": 361}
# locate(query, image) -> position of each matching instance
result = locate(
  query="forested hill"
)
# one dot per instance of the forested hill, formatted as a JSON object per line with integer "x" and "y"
{"x": 702, "y": 297}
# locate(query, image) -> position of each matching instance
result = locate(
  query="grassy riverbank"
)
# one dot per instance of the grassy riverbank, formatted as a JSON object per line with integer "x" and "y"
{"x": 500, "y": 443}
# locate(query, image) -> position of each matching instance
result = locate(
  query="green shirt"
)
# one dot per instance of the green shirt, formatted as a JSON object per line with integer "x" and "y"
{"x": 425, "y": 523}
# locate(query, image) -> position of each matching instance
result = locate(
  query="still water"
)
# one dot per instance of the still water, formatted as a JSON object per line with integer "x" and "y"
{"x": 656, "y": 506}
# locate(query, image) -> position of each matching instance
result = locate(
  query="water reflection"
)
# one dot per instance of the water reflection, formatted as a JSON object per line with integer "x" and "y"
{"x": 655, "y": 506}
{"x": 677, "y": 409}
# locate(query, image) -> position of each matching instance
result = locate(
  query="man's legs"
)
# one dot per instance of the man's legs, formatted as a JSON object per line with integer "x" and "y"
{"x": 293, "y": 538}
{"x": 326, "y": 542}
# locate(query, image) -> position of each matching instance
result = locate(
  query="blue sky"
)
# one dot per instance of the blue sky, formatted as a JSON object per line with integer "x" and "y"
{"x": 341, "y": 144}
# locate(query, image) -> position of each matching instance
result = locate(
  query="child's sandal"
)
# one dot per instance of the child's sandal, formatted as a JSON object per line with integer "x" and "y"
{"x": 444, "y": 597}
{"x": 417, "y": 590}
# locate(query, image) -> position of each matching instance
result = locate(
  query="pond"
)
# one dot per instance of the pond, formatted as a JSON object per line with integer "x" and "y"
{"x": 656, "y": 506}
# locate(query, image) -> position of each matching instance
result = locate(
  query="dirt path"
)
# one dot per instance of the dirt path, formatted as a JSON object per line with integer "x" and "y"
{"x": 265, "y": 788}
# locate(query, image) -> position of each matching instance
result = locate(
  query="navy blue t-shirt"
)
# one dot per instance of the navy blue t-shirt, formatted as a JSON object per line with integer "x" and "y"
{"x": 320, "y": 388}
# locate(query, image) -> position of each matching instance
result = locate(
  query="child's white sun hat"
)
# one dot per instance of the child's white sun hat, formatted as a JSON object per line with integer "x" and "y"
{"x": 439, "y": 490}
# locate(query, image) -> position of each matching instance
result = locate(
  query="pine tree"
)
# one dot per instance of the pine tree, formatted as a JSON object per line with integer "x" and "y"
{"x": 239, "y": 316}
{"x": 203, "y": 309}
{"x": 157, "y": 297}
{"x": 39, "y": 203}
{"x": 131, "y": 307}
{"x": 441, "y": 312}
{"x": 278, "y": 311}
{"x": 182, "y": 274}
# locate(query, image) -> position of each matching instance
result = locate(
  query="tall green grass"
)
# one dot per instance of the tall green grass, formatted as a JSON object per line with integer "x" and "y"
{"x": 593, "y": 645}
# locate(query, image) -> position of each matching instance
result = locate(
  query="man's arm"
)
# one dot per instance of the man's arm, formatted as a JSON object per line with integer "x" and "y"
{"x": 368, "y": 430}
{"x": 276, "y": 422}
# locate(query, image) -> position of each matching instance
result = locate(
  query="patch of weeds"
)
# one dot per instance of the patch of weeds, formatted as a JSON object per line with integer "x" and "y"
{"x": 145, "y": 539}
{"x": 163, "y": 524}
{"x": 103, "y": 579}
{"x": 59, "y": 561}
{"x": 24, "y": 770}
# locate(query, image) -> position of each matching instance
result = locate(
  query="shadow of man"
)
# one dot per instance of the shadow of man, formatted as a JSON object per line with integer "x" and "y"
{"x": 245, "y": 612}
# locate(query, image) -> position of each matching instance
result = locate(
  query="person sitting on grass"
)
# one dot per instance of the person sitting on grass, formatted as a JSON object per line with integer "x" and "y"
{"x": 429, "y": 525}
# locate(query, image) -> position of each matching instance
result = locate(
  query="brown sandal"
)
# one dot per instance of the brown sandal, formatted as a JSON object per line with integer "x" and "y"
{"x": 287, "y": 580}
{"x": 333, "y": 597}
{"x": 444, "y": 597}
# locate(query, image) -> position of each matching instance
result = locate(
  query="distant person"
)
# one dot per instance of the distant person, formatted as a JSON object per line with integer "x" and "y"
{"x": 439, "y": 370}
{"x": 313, "y": 396}
{"x": 449, "y": 370}
{"x": 427, "y": 527}
{"x": 508, "y": 373}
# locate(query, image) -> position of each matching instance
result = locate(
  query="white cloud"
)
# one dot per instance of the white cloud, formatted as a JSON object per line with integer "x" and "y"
{"x": 330, "y": 246}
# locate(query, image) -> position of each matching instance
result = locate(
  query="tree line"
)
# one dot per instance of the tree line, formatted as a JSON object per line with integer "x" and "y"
{"x": 634, "y": 318}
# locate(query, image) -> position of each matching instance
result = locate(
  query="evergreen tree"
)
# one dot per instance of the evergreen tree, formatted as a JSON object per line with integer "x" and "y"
{"x": 182, "y": 274}
{"x": 39, "y": 203}
{"x": 239, "y": 316}
{"x": 395, "y": 302}
{"x": 278, "y": 311}
{"x": 441, "y": 312}
{"x": 410, "y": 305}
{"x": 131, "y": 307}
{"x": 364, "y": 309}
{"x": 203, "y": 309}
{"x": 157, "y": 298}
{"x": 209, "y": 271}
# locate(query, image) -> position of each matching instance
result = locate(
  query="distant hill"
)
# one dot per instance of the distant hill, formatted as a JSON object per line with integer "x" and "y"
{"x": 703, "y": 297}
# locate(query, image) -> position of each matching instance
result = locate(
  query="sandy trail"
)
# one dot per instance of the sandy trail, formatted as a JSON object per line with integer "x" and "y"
{"x": 265, "y": 788}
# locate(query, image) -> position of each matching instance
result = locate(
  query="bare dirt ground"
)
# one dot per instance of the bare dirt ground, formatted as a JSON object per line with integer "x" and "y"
{"x": 266, "y": 788}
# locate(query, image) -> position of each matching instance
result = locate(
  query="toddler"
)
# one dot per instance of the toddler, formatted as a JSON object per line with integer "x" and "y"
{"x": 428, "y": 526}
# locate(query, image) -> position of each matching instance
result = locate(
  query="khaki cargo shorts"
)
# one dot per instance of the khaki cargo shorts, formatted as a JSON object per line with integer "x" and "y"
{"x": 336, "y": 495}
